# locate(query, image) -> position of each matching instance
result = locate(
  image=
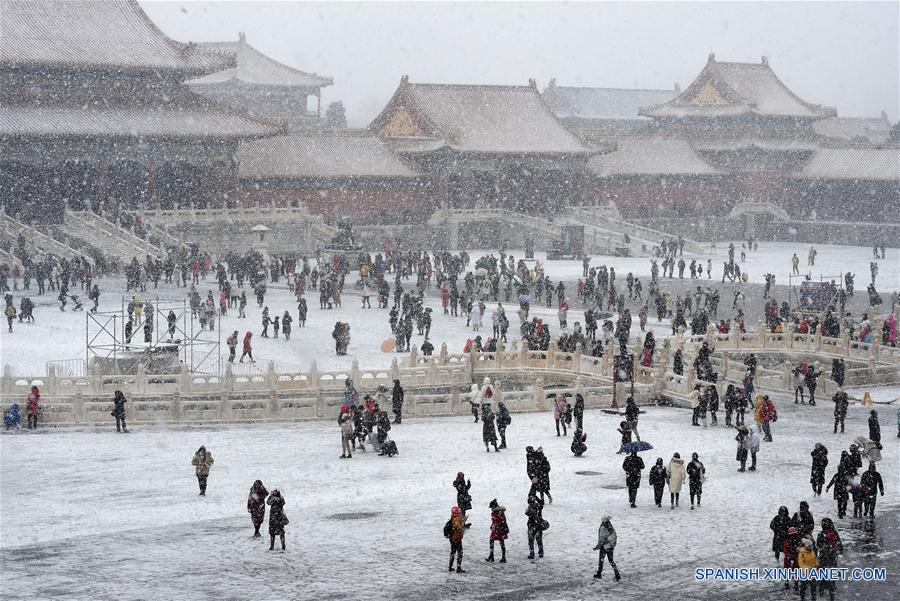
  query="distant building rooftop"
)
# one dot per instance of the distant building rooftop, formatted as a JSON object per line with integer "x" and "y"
{"x": 733, "y": 89}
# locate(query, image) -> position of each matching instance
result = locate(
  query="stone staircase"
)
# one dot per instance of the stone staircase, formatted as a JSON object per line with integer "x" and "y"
{"x": 643, "y": 239}
{"x": 106, "y": 237}
{"x": 38, "y": 242}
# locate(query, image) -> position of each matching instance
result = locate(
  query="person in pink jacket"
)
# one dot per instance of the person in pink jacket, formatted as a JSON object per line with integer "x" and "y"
{"x": 559, "y": 411}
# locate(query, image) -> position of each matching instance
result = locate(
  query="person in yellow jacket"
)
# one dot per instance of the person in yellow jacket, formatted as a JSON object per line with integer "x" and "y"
{"x": 806, "y": 560}
{"x": 757, "y": 407}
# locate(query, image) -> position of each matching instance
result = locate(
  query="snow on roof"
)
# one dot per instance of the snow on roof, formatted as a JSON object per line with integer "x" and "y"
{"x": 254, "y": 67}
{"x": 650, "y": 156}
{"x": 602, "y": 103}
{"x": 853, "y": 163}
{"x": 144, "y": 122}
{"x": 734, "y": 144}
{"x": 486, "y": 118}
{"x": 96, "y": 34}
{"x": 320, "y": 154}
{"x": 854, "y": 129}
{"x": 732, "y": 89}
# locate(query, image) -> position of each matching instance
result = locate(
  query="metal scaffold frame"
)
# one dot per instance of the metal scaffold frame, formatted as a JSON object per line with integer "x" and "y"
{"x": 181, "y": 338}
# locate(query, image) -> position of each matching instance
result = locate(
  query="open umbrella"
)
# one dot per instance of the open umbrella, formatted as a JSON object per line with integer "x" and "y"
{"x": 637, "y": 446}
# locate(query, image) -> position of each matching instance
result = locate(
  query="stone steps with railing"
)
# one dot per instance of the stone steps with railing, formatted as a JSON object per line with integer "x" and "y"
{"x": 38, "y": 242}
{"x": 439, "y": 385}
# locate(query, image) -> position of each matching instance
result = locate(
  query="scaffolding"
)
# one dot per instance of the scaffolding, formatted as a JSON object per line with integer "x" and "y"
{"x": 173, "y": 340}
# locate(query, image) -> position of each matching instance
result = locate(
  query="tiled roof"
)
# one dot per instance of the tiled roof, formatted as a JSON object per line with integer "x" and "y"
{"x": 130, "y": 121}
{"x": 650, "y": 156}
{"x": 320, "y": 155}
{"x": 732, "y": 89}
{"x": 854, "y": 129}
{"x": 734, "y": 144}
{"x": 601, "y": 103}
{"x": 108, "y": 34}
{"x": 254, "y": 67}
{"x": 853, "y": 163}
{"x": 486, "y": 119}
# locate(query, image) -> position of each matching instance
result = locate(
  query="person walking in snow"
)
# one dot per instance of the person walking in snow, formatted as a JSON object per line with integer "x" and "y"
{"x": 633, "y": 466}
{"x": 535, "y": 524}
{"x": 695, "y": 471}
{"x": 829, "y": 546}
{"x": 118, "y": 411}
{"x": 248, "y": 348}
{"x": 256, "y": 506}
{"x": 779, "y": 526}
{"x": 277, "y": 519}
{"x": 202, "y": 461}
{"x": 455, "y": 529}
{"x": 841, "y": 483}
{"x": 397, "y": 401}
{"x": 488, "y": 431}
{"x": 631, "y": 416}
{"x": 657, "y": 480}
{"x": 559, "y": 409}
{"x": 606, "y": 544}
{"x": 871, "y": 483}
{"x": 286, "y": 320}
{"x": 503, "y": 421}
{"x": 499, "y": 530}
{"x": 874, "y": 429}
{"x": 819, "y": 463}
{"x": 676, "y": 475}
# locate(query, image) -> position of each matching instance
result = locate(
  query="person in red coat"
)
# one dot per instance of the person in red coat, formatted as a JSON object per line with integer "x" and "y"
{"x": 499, "y": 530}
{"x": 256, "y": 506}
{"x": 33, "y": 407}
{"x": 767, "y": 415}
{"x": 248, "y": 348}
{"x": 791, "y": 548}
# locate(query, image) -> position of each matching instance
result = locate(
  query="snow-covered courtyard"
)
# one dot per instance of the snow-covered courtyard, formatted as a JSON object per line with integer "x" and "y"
{"x": 88, "y": 514}
{"x": 59, "y": 335}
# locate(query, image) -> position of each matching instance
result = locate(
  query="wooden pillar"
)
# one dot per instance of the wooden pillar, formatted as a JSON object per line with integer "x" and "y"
{"x": 102, "y": 183}
{"x": 152, "y": 169}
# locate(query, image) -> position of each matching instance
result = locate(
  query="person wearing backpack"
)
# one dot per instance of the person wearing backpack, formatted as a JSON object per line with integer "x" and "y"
{"x": 455, "y": 529}
{"x": 499, "y": 530}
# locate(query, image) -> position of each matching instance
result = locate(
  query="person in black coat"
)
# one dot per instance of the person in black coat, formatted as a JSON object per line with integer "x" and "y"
{"x": 871, "y": 484}
{"x": 803, "y": 520}
{"x": 277, "y": 519}
{"x": 503, "y": 420}
{"x": 463, "y": 498}
{"x": 631, "y": 415}
{"x": 695, "y": 471}
{"x": 118, "y": 412}
{"x": 819, "y": 463}
{"x": 633, "y": 466}
{"x": 397, "y": 401}
{"x": 578, "y": 411}
{"x": 841, "y": 490}
{"x": 543, "y": 475}
{"x": 841, "y": 401}
{"x": 779, "y": 526}
{"x": 658, "y": 479}
{"x": 488, "y": 431}
{"x": 874, "y": 429}
{"x": 578, "y": 442}
{"x": 383, "y": 425}
{"x": 837, "y": 372}
{"x": 811, "y": 380}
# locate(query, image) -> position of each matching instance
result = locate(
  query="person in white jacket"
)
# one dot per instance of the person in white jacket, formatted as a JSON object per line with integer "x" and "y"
{"x": 676, "y": 476}
{"x": 475, "y": 400}
{"x": 475, "y": 316}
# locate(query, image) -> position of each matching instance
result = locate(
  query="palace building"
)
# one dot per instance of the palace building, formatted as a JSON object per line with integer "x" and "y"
{"x": 94, "y": 113}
